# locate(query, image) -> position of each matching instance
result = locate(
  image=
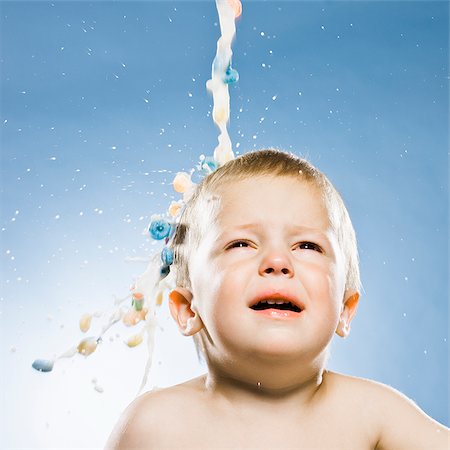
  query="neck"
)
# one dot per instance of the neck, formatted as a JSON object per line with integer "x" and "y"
{"x": 271, "y": 388}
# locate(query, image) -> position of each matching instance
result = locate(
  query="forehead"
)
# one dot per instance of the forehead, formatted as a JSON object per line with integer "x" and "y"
{"x": 272, "y": 200}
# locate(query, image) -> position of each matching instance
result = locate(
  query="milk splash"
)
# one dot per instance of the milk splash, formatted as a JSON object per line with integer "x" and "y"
{"x": 223, "y": 75}
{"x": 147, "y": 292}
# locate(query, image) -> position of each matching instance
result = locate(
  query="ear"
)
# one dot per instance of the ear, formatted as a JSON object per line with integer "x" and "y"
{"x": 188, "y": 321}
{"x": 350, "y": 306}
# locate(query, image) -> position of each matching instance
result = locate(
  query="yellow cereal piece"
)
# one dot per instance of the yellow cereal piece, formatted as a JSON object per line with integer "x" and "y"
{"x": 220, "y": 115}
{"x": 85, "y": 322}
{"x": 135, "y": 340}
{"x": 159, "y": 298}
{"x": 182, "y": 182}
{"x": 87, "y": 346}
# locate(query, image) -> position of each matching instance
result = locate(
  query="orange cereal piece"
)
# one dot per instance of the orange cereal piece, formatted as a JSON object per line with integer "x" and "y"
{"x": 182, "y": 182}
{"x": 174, "y": 208}
{"x": 132, "y": 317}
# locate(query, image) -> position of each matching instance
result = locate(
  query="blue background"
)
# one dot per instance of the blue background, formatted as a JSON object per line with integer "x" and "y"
{"x": 103, "y": 102}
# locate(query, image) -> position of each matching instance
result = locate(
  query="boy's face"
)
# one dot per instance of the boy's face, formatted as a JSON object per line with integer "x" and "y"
{"x": 272, "y": 237}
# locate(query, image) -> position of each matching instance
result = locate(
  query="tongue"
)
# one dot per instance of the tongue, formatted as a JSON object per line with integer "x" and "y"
{"x": 276, "y": 307}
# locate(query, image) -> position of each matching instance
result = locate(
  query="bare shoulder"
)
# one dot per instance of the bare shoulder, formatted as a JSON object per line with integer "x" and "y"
{"x": 150, "y": 417}
{"x": 398, "y": 422}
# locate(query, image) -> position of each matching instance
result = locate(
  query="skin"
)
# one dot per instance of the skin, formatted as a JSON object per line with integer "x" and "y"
{"x": 264, "y": 371}
{"x": 271, "y": 254}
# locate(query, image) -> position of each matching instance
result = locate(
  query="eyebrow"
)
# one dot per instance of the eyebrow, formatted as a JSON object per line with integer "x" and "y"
{"x": 258, "y": 226}
{"x": 246, "y": 226}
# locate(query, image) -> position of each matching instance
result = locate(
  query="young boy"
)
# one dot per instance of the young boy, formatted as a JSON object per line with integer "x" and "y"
{"x": 267, "y": 272}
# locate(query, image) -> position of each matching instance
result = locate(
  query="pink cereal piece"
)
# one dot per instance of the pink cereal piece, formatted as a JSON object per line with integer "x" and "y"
{"x": 237, "y": 7}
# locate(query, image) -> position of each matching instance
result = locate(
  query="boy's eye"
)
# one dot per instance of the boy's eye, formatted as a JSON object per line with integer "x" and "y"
{"x": 310, "y": 246}
{"x": 238, "y": 244}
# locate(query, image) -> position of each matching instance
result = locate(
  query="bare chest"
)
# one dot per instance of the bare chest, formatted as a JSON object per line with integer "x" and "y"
{"x": 328, "y": 432}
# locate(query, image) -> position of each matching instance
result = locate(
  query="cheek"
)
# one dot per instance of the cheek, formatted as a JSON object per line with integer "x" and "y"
{"x": 326, "y": 284}
{"x": 225, "y": 284}
{"x": 220, "y": 293}
{"x": 335, "y": 294}
{"x": 206, "y": 288}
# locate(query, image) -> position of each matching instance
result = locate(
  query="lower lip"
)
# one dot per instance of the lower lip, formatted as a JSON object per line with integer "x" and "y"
{"x": 277, "y": 313}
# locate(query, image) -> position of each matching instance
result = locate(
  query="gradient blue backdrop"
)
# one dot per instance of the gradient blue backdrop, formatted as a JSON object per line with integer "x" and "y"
{"x": 102, "y": 102}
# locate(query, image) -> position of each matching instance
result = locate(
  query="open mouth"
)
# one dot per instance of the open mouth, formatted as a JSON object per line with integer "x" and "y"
{"x": 276, "y": 304}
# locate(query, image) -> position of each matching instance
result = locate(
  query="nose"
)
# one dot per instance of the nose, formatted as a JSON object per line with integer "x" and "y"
{"x": 276, "y": 262}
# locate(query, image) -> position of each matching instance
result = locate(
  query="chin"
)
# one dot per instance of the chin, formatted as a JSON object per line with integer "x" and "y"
{"x": 278, "y": 351}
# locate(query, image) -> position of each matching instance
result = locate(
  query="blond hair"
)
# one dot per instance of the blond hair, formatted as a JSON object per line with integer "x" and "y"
{"x": 271, "y": 162}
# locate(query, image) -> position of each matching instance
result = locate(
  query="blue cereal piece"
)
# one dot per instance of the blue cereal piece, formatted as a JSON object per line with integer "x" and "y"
{"x": 43, "y": 365}
{"x": 164, "y": 271}
{"x": 159, "y": 229}
{"x": 208, "y": 165}
{"x": 167, "y": 256}
{"x": 231, "y": 76}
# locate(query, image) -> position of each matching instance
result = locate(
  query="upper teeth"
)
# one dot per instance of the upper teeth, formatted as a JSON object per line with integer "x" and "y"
{"x": 273, "y": 302}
